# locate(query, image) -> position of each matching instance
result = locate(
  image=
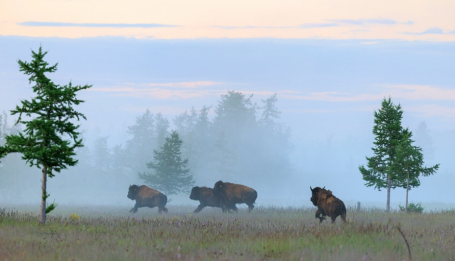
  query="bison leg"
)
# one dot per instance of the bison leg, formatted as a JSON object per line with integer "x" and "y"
{"x": 199, "y": 208}
{"x": 161, "y": 209}
{"x": 318, "y": 215}
{"x": 250, "y": 207}
{"x": 134, "y": 209}
{"x": 233, "y": 207}
{"x": 333, "y": 217}
{"x": 343, "y": 217}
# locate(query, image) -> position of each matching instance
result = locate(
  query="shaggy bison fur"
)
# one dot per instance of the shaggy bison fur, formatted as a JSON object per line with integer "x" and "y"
{"x": 328, "y": 204}
{"x": 235, "y": 194}
{"x": 147, "y": 197}
{"x": 207, "y": 199}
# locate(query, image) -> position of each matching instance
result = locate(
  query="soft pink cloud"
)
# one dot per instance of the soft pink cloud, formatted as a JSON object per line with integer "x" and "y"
{"x": 186, "y": 84}
{"x": 157, "y": 93}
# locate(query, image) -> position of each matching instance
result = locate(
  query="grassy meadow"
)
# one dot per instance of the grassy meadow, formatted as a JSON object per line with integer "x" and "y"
{"x": 272, "y": 233}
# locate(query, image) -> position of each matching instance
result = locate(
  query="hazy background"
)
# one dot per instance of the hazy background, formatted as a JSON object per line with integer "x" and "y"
{"x": 327, "y": 92}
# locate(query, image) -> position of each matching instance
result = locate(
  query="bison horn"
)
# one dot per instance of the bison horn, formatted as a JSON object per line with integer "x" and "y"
{"x": 323, "y": 187}
{"x": 311, "y": 188}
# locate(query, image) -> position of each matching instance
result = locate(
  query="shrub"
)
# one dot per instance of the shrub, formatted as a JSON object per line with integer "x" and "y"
{"x": 413, "y": 208}
{"x": 74, "y": 217}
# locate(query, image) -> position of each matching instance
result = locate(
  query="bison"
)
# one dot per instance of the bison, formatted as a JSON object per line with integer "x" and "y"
{"x": 235, "y": 194}
{"x": 328, "y": 204}
{"x": 147, "y": 197}
{"x": 207, "y": 199}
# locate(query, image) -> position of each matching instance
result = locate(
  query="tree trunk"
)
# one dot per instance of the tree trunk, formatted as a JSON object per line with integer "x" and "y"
{"x": 407, "y": 189}
{"x": 43, "y": 196}
{"x": 389, "y": 184}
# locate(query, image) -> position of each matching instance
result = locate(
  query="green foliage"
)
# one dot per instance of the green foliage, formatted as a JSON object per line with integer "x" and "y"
{"x": 147, "y": 134}
{"x": 380, "y": 171}
{"x": 396, "y": 162}
{"x": 51, "y": 207}
{"x": 41, "y": 142}
{"x": 169, "y": 173}
{"x": 413, "y": 208}
{"x": 2, "y": 137}
{"x": 388, "y": 132}
{"x": 48, "y": 121}
{"x": 409, "y": 163}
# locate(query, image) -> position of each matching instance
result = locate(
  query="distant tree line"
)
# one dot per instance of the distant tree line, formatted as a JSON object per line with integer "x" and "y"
{"x": 242, "y": 141}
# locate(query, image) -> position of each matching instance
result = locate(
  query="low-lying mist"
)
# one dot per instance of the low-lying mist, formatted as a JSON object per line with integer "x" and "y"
{"x": 240, "y": 140}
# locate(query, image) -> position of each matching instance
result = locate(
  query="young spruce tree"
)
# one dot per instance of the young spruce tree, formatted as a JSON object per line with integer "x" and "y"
{"x": 169, "y": 173}
{"x": 388, "y": 131}
{"x": 409, "y": 164}
{"x": 50, "y": 137}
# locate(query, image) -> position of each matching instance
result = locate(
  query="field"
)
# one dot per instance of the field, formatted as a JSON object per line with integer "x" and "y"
{"x": 272, "y": 233}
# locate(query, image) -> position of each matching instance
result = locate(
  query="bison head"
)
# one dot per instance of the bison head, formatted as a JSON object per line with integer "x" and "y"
{"x": 132, "y": 192}
{"x": 218, "y": 188}
{"x": 195, "y": 193}
{"x": 314, "y": 195}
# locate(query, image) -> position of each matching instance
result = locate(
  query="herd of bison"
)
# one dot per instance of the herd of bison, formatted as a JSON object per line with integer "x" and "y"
{"x": 225, "y": 195}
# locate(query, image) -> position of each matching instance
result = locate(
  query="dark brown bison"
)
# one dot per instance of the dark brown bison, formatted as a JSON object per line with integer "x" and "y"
{"x": 328, "y": 204}
{"x": 207, "y": 199}
{"x": 235, "y": 194}
{"x": 147, "y": 197}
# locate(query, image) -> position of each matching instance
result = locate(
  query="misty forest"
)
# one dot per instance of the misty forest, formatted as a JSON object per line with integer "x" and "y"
{"x": 289, "y": 192}
{"x": 244, "y": 141}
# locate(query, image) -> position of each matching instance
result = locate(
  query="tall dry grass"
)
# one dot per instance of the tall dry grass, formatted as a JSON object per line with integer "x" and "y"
{"x": 273, "y": 233}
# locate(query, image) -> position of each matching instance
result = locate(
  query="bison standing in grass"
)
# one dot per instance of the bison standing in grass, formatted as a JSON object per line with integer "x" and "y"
{"x": 147, "y": 197}
{"x": 207, "y": 199}
{"x": 235, "y": 194}
{"x": 328, "y": 204}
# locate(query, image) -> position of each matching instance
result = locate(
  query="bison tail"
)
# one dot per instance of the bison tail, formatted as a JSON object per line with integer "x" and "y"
{"x": 163, "y": 199}
{"x": 254, "y": 196}
{"x": 343, "y": 213}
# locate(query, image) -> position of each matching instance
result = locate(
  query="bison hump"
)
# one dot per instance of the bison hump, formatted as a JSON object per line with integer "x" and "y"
{"x": 146, "y": 192}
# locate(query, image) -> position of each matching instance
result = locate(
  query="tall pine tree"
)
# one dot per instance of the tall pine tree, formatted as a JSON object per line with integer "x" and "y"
{"x": 169, "y": 172}
{"x": 48, "y": 122}
{"x": 224, "y": 159}
{"x": 388, "y": 133}
{"x": 161, "y": 129}
{"x": 139, "y": 148}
